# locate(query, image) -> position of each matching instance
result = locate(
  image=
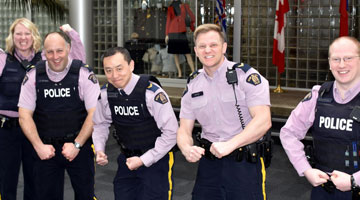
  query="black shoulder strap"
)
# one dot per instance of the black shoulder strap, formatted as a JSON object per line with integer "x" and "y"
{"x": 112, "y": 92}
{"x": 40, "y": 67}
{"x": 155, "y": 80}
{"x": 75, "y": 66}
{"x": 10, "y": 57}
{"x": 325, "y": 88}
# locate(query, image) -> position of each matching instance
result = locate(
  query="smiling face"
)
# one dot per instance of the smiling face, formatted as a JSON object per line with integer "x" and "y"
{"x": 345, "y": 62}
{"x": 23, "y": 39}
{"x": 56, "y": 52}
{"x": 210, "y": 49}
{"x": 117, "y": 70}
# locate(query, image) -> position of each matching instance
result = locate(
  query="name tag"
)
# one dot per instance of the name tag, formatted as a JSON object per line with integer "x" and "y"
{"x": 197, "y": 94}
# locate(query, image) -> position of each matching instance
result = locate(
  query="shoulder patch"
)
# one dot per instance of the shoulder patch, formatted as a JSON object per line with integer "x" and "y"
{"x": 26, "y": 78}
{"x": 161, "y": 98}
{"x": 254, "y": 79}
{"x": 307, "y": 97}
{"x": 92, "y": 78}
{"x": 152, "y": 87}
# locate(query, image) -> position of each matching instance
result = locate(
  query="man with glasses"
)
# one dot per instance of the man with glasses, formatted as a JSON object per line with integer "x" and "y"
{"x": 331, "y": 113}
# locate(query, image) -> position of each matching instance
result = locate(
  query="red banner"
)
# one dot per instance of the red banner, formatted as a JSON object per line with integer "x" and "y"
{"x": 282, "y": 7}
{"x": 344, "y": 24}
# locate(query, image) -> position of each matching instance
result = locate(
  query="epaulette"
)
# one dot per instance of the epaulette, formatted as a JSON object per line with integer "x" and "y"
{"x": 152, "y": 87}
{"x": 192, "y": 76}
{"x": 30, "y": 68}
{"x": 88, "y": 67}
{"x": 104, "y": 86}
{"x": 242, "y": 66}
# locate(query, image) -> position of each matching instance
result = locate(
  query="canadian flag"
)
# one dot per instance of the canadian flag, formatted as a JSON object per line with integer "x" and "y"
{"x": 282, "y": 7}
{"x": 344, "y": 24}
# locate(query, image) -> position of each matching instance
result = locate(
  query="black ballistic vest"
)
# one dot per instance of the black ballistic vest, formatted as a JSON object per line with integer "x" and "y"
{"x": 135, "y": 127}
{"x": 59, "y": 109}
{"x": 335, "y": 133}
{"x": 10, "y": 81}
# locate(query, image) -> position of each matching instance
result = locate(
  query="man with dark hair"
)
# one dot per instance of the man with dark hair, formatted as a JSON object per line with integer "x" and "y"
{"x": 56, "y": 105}
{"x": 145, "y": 126}
{"x": 331, "y": 113}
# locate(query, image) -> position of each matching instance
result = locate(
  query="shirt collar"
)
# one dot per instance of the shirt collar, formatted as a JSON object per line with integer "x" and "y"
{"x": 19, "y": 56}
{"x": 132, "y": 83}
{"x": 53, "y": 73}
{"x": 221, "y": 70}
{"x": 348, "y": 95}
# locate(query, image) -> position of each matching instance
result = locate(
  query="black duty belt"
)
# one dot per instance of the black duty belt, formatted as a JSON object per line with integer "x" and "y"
{"x": 251, "y": 152}
{"x": 59, "y": 140}
{"x": 237, "y": 154}
{"x": 9, "y": 122}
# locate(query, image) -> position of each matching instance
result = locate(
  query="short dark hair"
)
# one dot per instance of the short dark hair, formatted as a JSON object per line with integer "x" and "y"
{"x": 62, "y": 34}
{"x": 115, "y": 50}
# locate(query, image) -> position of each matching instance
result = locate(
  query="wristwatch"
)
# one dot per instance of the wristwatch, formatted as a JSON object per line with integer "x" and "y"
{"x": 77, "y": 145}
{"x": 354, "y": 186}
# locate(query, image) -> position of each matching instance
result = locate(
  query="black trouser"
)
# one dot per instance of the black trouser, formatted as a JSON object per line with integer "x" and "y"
{"x": 15, "y": 149}
{"x": 50, "y": 174}
{"x": 145, "y": 183}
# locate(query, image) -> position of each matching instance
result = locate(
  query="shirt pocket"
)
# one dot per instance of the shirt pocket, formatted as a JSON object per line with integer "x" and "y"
{"x": 197, "y": 103}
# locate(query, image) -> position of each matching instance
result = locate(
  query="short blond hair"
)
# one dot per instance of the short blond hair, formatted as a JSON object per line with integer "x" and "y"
{"x": 352, "y": 39}
{"x": 204, "y": 28}
{"x": 10, "y": 46}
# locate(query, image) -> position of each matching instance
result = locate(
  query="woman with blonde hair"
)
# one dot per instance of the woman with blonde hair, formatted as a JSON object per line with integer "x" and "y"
{"x": 21, "y": 53}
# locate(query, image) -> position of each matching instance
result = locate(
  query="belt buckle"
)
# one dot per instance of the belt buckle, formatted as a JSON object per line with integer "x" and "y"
{"x": 3, "y": 120}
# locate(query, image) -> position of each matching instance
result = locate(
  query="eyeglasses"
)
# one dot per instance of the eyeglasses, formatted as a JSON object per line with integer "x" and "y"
{"x": 347, "y": 59}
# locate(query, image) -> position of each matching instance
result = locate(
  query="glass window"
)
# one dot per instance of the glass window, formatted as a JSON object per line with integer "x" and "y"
{"x": 158, "y": 36}
{"x": 310, "y": 28}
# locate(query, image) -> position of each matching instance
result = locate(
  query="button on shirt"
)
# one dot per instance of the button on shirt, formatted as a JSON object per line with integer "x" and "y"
{"x": 211, "y": 101}
{"x": 162, "y": 113}
{"x": 299, "y": 122}
{"x": 88, "y": 91}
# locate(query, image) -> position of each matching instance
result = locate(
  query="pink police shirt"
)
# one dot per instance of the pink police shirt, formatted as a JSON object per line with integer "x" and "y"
{"x": 299, "y": 122}
{"x": 77, "y": 52}
{"x": 89, "y": 89}
{"x": 162, "y": 113}
{"x": 211, "y": 101}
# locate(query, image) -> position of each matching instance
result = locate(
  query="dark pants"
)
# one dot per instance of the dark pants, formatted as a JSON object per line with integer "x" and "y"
{"x": 145, "y": 183}
{"x": 227, "y": 179}
{"x": 318, "y": 193}
{"x": 49, "y": 174}
{"x": 15, "y": 149}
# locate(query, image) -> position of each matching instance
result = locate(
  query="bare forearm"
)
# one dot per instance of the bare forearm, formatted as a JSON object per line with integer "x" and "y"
{"x": 256, "y": 129}
{"x": 29, "y": 128}
{"x": 184, "y": 139}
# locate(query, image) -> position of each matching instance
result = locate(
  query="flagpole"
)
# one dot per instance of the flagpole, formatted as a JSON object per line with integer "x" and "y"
{"x": 278, "y": 88}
